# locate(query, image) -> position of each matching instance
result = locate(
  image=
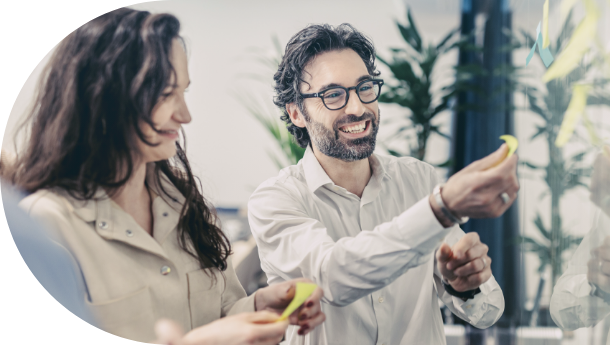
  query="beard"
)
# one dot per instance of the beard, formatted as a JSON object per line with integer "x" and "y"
{"x": 330, "y": 143}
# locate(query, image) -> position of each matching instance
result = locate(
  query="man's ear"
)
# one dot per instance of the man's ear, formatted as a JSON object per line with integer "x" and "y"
{"x": 295, "y": 114}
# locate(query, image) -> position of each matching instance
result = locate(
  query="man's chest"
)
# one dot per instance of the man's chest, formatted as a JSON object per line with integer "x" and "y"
{"x": 345, "y": 215}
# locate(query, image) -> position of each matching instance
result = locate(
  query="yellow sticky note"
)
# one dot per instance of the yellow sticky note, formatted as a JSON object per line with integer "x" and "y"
{"x": 303, "y": 291}
{"x": 578, "y": 45}
{"x": 545, "y": 25}
{"x": 566, "y": 6}
{"x": 573, "y": 114}
{"x": 512, "y": 143}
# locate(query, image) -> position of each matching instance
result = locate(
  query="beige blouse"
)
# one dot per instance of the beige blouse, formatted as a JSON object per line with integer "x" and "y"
{"x": 133, "y": 279}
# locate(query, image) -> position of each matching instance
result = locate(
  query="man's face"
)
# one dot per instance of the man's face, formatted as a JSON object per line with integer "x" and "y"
{"x": 349, "y": 133}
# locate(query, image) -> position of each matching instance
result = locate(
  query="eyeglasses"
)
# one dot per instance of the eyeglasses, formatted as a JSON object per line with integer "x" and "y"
{"x": 336, "y": 97}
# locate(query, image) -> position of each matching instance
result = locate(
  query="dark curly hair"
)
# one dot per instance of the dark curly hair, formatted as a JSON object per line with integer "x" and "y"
{"x": 302, "y": 47}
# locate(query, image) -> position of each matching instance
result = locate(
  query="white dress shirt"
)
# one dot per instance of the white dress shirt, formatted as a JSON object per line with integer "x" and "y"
{"x": 373, "y": 256}
{"x": 572, "y": 305}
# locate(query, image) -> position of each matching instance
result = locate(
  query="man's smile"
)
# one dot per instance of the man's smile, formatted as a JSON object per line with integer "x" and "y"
{"x": 356, "y": 130}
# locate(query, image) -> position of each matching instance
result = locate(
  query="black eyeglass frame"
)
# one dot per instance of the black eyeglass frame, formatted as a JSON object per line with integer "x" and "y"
{"x": 347, "y": 92}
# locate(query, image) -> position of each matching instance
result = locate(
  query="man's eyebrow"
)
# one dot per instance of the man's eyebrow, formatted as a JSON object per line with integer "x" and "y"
{"x": 327, "y": 86}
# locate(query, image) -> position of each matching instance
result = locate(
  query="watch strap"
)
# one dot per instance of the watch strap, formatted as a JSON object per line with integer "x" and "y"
{"x": 596, "y": 291}
{"x": 439, "y": 201}
{"x": 464, "y": 295}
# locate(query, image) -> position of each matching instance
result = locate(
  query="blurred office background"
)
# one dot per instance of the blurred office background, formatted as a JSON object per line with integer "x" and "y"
{"x": 456, "y": 80}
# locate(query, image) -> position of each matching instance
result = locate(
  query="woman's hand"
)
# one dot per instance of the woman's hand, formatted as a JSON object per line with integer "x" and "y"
{"x": 257, "y": 328}
{"x": 277, "y": 297}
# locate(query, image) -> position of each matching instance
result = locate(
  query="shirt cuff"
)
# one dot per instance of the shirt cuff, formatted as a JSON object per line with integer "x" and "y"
{"x": 419, "y": 227}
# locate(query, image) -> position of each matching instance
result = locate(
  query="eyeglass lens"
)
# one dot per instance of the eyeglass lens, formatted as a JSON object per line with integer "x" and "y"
{"x": 336, "y": 98}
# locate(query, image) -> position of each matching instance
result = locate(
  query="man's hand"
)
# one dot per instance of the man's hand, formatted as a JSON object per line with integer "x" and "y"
{"x": 246, "y": 328}
{"x": 600, "y": 181}
{"x": 475, "y": 190}
{"x": 277, "y": 297}
{"x": 465, "y": 266}
{"x": 599, "y": 266}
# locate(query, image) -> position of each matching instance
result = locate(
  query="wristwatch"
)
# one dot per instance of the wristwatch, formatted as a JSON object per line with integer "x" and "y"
{"x": 439, "y": 200}
{"x": 464, "y": 295}
{"x": 598, "y": 292}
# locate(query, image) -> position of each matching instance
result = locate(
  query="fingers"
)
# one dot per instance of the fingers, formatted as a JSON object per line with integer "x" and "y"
{"x": 602, "y": 252}
{"x": 490, "y": 160}
{"x": 475, "y": 266}
{"x": 444, "y": 253}
{"x": 312, "y": 323}
{"x": 168, "y": 332}
{"x": 261, "y": 317}
{"x": 270, "y": 330}
{"x": 464, "y": 244}
{"x": 594, "y": 276}
{"x": 312, "y": 306}
{"x": 599, "y": 266}
{"x": 478, "y": 279}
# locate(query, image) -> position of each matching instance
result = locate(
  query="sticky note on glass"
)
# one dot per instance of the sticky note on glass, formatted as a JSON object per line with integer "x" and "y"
{"x": 545, "y": 25}
{"x": 303, "y": 291}
{"x": 578, "y": 46}
{"x": 575, "y": 110}
{"x": 545, "y": 53}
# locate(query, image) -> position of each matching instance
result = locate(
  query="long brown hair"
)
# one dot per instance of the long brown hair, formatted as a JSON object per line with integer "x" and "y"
{"x": 103, "y": 80}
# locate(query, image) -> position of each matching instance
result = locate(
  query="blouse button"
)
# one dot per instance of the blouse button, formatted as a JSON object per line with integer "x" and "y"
{"x": 165, "y": 270}
{"x": 380, "y": 299}
{"x": 165, "y": 214}
{"x": 129, "y": 233}
{"x": 103, "y": 225}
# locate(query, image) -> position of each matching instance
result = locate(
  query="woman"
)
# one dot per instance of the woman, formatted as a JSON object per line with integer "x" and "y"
{"x": 107, "y": 172}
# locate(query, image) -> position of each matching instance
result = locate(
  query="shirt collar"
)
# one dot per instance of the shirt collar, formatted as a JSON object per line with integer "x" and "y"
{"x": 99, "y": 206}
{"x": 316, "y": 177}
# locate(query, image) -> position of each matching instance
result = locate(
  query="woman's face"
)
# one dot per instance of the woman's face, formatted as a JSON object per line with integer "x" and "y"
{"x": 169, "y": 113}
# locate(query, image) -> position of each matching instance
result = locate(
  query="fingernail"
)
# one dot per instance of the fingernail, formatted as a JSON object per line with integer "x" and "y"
{"x": 309, "y": 304}
{"x": 305, "y": 327}
{"x": 300, "y": 332}
{"x": 302, "y": 317}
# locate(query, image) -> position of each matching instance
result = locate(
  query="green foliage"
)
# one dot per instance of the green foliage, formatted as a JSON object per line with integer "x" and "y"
{"x": 412, "y": 68}
{"x": 561, "y": 174}
{"x": 270, "y": 119}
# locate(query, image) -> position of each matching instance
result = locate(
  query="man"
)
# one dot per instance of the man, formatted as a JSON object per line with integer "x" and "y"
{"x": 581, "y": 297}
{"x": 365, "y": 227}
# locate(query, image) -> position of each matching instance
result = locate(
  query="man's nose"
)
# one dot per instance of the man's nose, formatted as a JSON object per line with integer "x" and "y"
{"x": 354, "y": 106}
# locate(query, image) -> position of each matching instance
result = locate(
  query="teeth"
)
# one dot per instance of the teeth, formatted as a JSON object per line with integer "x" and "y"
{"x": 354, "y": 129}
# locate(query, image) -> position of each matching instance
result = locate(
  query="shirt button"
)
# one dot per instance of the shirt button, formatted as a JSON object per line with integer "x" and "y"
{"x": 381, "y": 301}
{"x": 165, "y": 270}
{"x": 129, "y": 233}
{"x": 103, "y": 225}
{"x": 165, "y": 214}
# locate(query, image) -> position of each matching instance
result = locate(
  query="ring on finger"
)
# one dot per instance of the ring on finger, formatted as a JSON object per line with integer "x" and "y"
{"x": 484, "y": 263}
{"x": 505, "y": 197}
